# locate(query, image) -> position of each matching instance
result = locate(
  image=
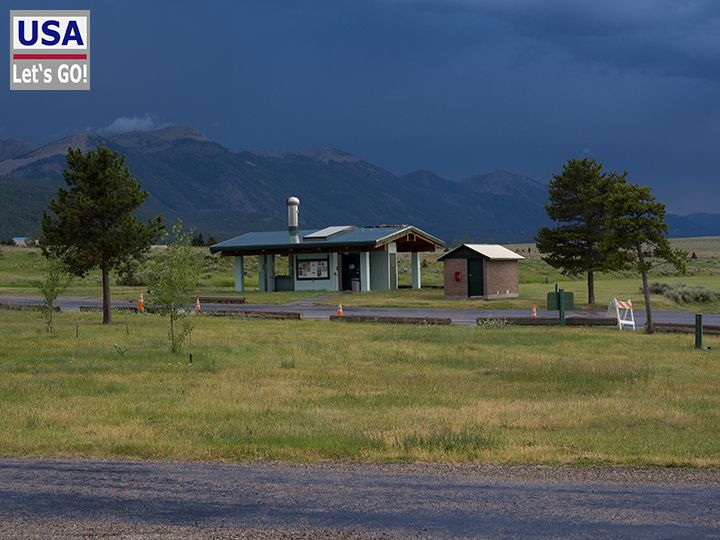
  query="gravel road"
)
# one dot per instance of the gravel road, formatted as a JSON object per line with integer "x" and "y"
{"x": 42, "y": 498}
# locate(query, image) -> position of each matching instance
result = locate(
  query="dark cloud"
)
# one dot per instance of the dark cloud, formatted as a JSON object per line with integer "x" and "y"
{"x": 457, "y": 86}
{"x": 668, "y": 37}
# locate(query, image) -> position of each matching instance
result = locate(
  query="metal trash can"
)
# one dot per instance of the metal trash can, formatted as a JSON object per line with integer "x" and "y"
{"x": 355, "y": 284}
{"x": 284, "y": 283}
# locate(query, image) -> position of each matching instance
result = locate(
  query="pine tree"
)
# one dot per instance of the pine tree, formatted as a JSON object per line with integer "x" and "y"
{"x": 637, "y": 236}
{"x": 92, "y": 219}
{"x": 578, "y": 199}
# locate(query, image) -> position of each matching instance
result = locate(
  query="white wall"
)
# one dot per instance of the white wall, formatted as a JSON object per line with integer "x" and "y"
{"x": 379, "y": 271}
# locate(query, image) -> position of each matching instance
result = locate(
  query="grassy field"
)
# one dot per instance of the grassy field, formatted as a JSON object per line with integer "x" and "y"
{"x": 537, "y": 278}
{"x": 305, "y": 391}
{"x": 535, "y": 293}
{"x": 21, "y": 270}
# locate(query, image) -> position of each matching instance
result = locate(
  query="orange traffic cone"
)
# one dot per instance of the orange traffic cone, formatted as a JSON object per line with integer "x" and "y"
{"x": 340, "y": 311}
{"x": 141, "y": 303}
{"x": 533, "y": 314}
{"x": 198, "y": 309}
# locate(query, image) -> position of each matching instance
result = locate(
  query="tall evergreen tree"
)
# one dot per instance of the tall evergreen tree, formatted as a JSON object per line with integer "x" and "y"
{"x": 92, "y": 219}
{"x": 637, "y": 236}
{"x": 578, "y": 198}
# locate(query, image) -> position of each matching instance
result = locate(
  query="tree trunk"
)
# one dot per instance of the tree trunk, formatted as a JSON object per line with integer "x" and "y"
{"x": 107, "y": 318}
{"x": 172, "y": 332}
{"x": 591, "y": 288}
{"x": 649, "y": 329}
{"x": 50, "y": 307}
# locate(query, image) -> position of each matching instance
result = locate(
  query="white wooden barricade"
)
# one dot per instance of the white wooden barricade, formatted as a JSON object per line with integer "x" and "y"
{"x": 623, "y": 312}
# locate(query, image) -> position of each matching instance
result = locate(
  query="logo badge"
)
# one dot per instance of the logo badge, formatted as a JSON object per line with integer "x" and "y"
{"x": 49, "y": 50}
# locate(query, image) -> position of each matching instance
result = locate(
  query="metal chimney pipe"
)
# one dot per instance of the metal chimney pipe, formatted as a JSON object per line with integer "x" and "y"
{"x": 293, "y": 205}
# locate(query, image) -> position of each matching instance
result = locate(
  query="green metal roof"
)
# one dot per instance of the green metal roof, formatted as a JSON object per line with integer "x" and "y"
{"x": 355, "y": 236}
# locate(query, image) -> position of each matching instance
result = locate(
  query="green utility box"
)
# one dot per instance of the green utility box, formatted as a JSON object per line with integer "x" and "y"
{"x": 568, "y": 301}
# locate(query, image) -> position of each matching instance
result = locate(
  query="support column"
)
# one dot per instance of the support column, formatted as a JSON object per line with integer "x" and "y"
{"x": 364, "y": 271}
{"x": 415, "y": 267}
{"x": 270, "y": 272}
{"x": 262, "y": 280}
{"x": 239, "y": 274}
{"x": 392, "y": 259}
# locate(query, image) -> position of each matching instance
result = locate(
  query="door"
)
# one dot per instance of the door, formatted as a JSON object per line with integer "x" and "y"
{"x": 350, "y": 269}
{"x": 475, "y": 277}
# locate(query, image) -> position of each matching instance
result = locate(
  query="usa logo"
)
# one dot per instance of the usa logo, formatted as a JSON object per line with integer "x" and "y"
{"x": 49, "y": 50}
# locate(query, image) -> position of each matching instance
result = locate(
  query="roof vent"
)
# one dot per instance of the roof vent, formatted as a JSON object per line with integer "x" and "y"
{"x": 293, "y": 206}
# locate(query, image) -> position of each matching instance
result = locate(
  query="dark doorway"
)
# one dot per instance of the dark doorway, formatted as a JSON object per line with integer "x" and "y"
{"x": 475, "y": 277}
{"x": 350, "y": 270}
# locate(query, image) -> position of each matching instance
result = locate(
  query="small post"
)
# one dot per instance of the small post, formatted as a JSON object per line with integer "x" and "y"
{"x": 127, "y": 328}
{"x": 561, "y": 306}
{"x": 77, "y": 330}
{"x": 190, "y": 341}
{"x": 698, "y": 331}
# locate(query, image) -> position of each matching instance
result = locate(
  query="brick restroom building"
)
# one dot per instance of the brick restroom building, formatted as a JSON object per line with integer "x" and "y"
{"x": 481, "y": 271}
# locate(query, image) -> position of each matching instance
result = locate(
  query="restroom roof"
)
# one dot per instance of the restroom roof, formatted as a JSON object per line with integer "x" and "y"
{"x": 494, "y": 252}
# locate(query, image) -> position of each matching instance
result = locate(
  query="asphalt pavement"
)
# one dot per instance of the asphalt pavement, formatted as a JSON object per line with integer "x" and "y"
{"x": 65, "y": 498}
{"x": 312, "y": 311}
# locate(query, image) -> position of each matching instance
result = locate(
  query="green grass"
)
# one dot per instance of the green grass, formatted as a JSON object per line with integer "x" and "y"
{"x": 534, "y": 293}
{"x": 21, "y": 270}
{"x": 305, "y": 391}
{"x": 537, "y": 278}
{"x": 707, "y": 262}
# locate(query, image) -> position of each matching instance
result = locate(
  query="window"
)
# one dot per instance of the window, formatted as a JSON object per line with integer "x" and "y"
{"x": 313, "y": 268}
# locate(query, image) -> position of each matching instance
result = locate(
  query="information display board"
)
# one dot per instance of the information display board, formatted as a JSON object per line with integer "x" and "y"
{"x": 313, "y": 268}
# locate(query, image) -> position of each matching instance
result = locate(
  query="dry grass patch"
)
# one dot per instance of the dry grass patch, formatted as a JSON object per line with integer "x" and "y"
{"x": 310, "y": 390}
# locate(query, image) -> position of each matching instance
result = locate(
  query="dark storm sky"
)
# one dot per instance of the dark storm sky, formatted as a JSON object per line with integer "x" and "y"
{"x": 455, "y": 86}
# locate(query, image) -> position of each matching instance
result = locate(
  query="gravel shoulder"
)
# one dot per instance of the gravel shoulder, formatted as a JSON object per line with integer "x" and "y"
{"x": 149, "y": 499}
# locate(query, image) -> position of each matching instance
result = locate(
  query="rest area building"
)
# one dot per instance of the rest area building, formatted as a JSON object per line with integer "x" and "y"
{"x": 481, "y": 271}
{"x": 337, "y": 258}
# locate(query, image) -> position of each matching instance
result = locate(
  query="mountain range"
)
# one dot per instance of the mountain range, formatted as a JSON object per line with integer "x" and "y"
{"x": 223, "y": 192}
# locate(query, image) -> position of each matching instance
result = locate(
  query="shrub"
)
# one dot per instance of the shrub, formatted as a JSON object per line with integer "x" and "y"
{"x": 683, "y": 294}
{"x": 175, "y": 273}
{"x": 54, "y": 283}
{"x": 130, "y": 272}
